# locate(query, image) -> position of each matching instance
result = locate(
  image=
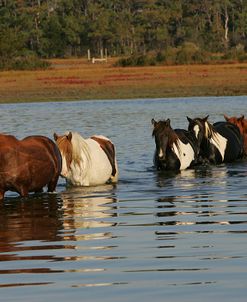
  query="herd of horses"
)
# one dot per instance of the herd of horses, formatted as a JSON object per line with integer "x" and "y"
{"x": 30, "y": 164}
{"x": 201, "y": 143}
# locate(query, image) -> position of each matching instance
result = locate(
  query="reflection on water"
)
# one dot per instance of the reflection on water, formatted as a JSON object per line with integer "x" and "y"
{"x": 181, "y": 236}
{"x": 36, "y": 218}
{"x": 52, "y": 223}
{"x": 88, "y": 206}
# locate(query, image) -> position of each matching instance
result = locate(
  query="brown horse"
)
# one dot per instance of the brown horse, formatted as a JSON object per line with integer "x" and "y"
{"x": 28, "y": 165}
{"x": 241, "y": 123}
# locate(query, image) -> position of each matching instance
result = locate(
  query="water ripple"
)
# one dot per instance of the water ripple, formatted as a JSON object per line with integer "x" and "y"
{"x": 181, "y": 236}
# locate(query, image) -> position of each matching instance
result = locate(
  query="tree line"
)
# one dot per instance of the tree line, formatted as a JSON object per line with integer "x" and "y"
{"x": 64, "y": 28}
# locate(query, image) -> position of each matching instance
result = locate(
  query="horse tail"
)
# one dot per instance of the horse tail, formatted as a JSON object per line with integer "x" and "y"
{"x": 114, "y": 178}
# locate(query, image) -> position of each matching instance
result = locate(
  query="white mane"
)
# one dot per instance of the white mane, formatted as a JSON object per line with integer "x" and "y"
{"x": 80, "y": 148}
{"x": 208, "y": 131}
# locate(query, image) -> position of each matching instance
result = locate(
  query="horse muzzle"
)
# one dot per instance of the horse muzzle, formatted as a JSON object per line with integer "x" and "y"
{"x": 161, "y": 155}
{"x": 161, "y": 158}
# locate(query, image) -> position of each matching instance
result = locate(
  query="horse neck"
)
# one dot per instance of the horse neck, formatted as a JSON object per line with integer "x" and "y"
{"x": 194, "y": 142}
{"x": 173, "y": 139}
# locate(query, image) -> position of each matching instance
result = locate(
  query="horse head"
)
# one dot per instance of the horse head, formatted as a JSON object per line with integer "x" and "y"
{"x": 65, "y": 146}
{"x": 161, "y": 132}
{"x": 200, "y": 127}
{"x": 240, "y": 122}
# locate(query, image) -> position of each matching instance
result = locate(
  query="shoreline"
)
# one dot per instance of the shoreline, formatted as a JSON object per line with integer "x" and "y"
{"x": 215, "y": 97}
{"x": 79, "y": 80}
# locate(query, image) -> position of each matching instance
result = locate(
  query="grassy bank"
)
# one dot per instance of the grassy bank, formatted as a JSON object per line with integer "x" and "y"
{"x": 79, "y": 80}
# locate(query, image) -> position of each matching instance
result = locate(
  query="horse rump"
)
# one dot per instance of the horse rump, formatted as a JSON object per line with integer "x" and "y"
{"x": 28, "y": 165}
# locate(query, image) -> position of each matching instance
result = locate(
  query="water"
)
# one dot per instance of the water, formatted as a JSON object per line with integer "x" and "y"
{"x": 153, "y": 236}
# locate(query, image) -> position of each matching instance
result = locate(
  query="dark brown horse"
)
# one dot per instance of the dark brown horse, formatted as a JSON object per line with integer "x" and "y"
{"x": 241, "y": 123}
{"x": 176, "y": 149}
{"x": 28, "y": 165}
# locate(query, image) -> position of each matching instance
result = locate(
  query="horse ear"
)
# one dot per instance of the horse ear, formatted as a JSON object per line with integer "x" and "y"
{"x": 241, "y": 118}
{"x": 55, "y": 136}
{"x": 69, "y": 136}
{"x": 168, "y": 122}
{"x": 226, "y": 117}
{"x": 153, "y": 121}
{"x": 206, "y": 118}
{"x": 189, "y": 119}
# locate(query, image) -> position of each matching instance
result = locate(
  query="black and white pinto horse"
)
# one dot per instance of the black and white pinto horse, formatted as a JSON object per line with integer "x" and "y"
{"x": 218, "y": 143}
{"x": 175, "y": 149}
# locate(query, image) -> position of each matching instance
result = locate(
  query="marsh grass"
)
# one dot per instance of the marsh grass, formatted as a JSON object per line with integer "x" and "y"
{"x": 77, "y": 79}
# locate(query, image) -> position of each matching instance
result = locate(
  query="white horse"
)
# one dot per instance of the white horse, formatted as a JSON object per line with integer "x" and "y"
{"x": 87, "y": 162}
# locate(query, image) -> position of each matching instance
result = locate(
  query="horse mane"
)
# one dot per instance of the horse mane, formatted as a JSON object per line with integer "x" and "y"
{"x": 162, "y": 129}
{"x": 79, "y": 146}
{"x": 210, "y": 132}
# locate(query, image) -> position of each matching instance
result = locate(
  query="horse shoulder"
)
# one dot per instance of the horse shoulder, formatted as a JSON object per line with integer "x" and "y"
{"x": 185, "y": 154}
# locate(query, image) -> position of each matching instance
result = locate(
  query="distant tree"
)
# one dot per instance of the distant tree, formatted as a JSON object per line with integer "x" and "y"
{"x": 98, "y": 25}
{"x": 11, "y": 46}
{"x": 59, "y": 28}
{"x": 53, "y": 42}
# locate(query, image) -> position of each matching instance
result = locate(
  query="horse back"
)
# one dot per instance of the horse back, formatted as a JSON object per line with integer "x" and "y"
{"x": 226, "y": 128}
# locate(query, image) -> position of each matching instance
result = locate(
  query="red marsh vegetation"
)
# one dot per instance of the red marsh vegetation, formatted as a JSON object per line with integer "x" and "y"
{"x": 77, "y": 79}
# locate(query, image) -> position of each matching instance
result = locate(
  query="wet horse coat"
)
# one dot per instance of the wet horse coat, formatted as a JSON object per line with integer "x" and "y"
{"x": 175, "y": 149}
{"x": 218, "y": 143}
{"x": 87, "y": 162}
{"x": 28, "y": 165}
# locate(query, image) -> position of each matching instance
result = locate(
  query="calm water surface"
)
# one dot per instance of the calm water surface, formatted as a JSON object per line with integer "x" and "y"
{"x": 152, "y": 236}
